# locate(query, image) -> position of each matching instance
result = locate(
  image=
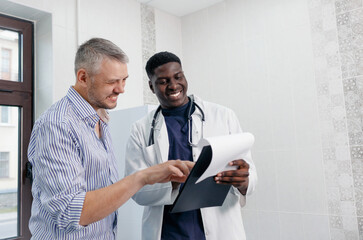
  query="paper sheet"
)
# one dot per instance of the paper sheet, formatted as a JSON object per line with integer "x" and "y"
{"x": 224, "y": 150}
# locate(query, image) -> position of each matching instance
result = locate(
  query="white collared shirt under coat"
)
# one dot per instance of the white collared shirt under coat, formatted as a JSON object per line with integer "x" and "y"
{"x": 223, "y": 222}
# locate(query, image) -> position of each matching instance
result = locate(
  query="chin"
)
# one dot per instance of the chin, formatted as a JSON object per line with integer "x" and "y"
{"x": 112, "y": 107}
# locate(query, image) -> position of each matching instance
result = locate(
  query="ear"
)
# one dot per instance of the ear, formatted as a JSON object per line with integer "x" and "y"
{"x": 151, "y": 86}
{"x": 82, "y": 77}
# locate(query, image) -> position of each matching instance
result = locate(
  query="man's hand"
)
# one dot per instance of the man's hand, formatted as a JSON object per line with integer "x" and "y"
{"x": 172, "y": 170}
{"x": 238, "y": 178}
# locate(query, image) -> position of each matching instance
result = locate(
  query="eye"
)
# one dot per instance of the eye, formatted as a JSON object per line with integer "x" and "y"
{"x": 179, "y": 76}
{"x": 161, "y": 81}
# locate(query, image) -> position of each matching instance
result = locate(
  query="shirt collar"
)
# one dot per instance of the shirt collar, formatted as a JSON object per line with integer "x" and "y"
{"x": 81, "y": 107}
{"x": 104, "y": 115}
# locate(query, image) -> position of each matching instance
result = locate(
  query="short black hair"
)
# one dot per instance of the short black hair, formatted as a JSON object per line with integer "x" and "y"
{"x": 159, "y": 59}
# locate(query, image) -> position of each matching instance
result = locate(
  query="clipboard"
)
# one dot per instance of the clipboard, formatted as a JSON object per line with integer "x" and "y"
{"x": 206, "y": 193}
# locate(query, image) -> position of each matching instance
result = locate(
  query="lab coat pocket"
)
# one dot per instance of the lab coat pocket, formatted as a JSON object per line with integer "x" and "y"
{"x": 150, "y": 155}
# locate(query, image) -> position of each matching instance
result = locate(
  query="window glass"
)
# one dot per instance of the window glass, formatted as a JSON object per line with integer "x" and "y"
{"x": 4, "y": 114}
{"x": 9, "y": 163}
{"x": 9, "y": 59}
{"x": 4, "y": 164}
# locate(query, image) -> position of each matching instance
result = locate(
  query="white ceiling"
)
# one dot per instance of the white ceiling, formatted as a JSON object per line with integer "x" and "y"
{"x": 180, "y": 7}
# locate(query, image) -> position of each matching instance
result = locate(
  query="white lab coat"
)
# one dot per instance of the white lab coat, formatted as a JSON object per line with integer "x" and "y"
{"x": 223, "y": 222}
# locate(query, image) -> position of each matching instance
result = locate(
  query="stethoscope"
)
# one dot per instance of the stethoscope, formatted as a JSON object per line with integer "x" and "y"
{"x": 191, "y": 99}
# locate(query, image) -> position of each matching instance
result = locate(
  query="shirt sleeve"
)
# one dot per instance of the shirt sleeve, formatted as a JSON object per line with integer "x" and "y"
{"x": 58, "y": 174}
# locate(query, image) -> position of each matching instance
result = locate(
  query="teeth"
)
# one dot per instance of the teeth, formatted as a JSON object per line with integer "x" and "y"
{"x": 175, "y": 94}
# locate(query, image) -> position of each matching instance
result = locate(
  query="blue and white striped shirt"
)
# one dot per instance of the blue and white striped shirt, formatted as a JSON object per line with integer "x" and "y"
{"x": 69, "y": 160}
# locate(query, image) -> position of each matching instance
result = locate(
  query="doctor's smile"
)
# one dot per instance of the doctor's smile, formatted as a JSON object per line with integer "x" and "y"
{"x": 174, "y": 94}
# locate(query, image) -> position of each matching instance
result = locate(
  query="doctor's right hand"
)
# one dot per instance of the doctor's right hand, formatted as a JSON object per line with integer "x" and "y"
{"x": 172, "y": 170}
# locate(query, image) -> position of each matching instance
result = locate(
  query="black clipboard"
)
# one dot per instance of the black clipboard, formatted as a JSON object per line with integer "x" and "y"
{"x": 206, "y": 193}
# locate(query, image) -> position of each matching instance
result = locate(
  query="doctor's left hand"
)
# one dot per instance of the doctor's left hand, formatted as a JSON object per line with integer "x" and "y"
{"x": 237, "y": 178}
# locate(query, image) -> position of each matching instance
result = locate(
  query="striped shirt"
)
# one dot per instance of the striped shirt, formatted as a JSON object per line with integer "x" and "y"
{"x": 69, "y": 159}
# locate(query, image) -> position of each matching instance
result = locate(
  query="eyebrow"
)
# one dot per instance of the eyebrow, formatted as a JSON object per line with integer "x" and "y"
{"x": 162, "y": 77}
{"x": 116, "y": 79}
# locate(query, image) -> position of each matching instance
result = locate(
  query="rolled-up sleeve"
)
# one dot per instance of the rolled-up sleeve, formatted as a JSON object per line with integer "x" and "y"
{"x": 58, "y": 175}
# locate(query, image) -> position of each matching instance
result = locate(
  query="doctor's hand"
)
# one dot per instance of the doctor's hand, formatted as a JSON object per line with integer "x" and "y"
{"x": 238, "y": 178}
{"x": 172, "y": 170}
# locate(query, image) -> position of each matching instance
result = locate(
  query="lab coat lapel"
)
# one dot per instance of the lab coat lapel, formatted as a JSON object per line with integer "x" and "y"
{"x": 162, "y": 140}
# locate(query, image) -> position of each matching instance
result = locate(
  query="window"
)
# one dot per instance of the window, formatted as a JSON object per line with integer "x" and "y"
{"x": 4, "y": 114}
{"x": 16, "y": 120}
{"x": 4, "y": 164}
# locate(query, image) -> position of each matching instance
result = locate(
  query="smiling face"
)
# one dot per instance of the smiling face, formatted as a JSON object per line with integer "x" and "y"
{"x": 169, "y": 85}
{"x": 102, "y": 89}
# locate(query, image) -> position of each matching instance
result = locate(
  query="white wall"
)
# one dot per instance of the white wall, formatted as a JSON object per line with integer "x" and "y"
{"x": 70, "y": 27}
{"x": 277, "y": 65}
{"x": 168, "y": 33}
{"x": 118, "y": 21}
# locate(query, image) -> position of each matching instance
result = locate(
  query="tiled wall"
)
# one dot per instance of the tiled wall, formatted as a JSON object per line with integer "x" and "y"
{"x": 160, "y": 32}
{"x": 350, "y": 36}
{"x": 337, "y": 33}
{"x": 148, "y": 48}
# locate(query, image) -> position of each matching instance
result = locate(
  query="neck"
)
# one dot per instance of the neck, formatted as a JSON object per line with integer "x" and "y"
{"x": 83, "y": 92}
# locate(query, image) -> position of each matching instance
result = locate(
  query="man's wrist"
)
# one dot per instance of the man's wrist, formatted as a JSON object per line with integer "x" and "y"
{"x": 141, "y": 177}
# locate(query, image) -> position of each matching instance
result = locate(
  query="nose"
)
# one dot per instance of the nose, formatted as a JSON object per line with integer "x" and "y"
{"x": 120, "y": 87}
{"x": 172, "y": 84}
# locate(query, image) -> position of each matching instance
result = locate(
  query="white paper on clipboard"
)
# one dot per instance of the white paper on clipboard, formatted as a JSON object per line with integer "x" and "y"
{"x": 224, "y": 150}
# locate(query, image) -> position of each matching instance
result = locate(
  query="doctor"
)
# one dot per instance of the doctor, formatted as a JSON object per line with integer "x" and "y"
{"x": 166, "y": 134}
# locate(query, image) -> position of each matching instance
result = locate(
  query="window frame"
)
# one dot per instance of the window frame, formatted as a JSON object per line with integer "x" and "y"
{"x": 20, "y": 94}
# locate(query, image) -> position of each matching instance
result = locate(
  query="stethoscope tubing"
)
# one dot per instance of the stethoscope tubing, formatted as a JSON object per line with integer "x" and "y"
{"x": 153, "y": 123}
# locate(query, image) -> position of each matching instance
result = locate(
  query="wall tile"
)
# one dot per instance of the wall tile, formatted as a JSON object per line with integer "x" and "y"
{"x": 342, "y": 6}
{"x": 360, "y": 226}
{"x": 266, "y": 195}
{"x": 291, "y": 226}
{"x": 251, "y": 224}
{"x": 289, "y": 182}
{"x": 270, "y": 223}
{"x": 148, "y": 48}
{"x": 316, "y": 227}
